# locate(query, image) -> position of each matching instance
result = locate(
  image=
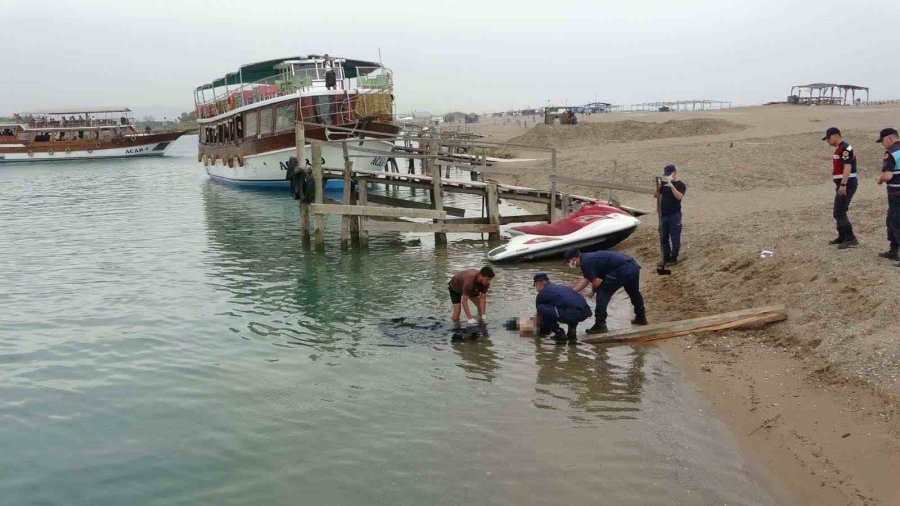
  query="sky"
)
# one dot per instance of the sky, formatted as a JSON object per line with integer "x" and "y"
{"x": 473, "y": 56}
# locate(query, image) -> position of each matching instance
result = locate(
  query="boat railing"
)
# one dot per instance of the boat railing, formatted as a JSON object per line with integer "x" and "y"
{"x": 370, "y": 80}
{"x": 35, "y": 123}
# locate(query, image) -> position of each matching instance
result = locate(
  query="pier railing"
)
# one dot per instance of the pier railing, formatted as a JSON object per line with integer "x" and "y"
{"x": 437, "y": 154}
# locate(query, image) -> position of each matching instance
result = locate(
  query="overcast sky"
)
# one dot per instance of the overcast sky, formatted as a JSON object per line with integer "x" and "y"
{"x": 466, "y": 55}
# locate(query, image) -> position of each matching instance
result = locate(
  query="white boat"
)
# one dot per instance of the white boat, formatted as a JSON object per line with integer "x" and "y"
{"x": 592, "y": 227}
{"x": 247, "y": 118}
{"x": 79, "y": 134}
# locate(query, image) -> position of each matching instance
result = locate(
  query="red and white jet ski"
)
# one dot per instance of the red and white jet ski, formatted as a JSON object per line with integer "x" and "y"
{"x": 594, "y": 226}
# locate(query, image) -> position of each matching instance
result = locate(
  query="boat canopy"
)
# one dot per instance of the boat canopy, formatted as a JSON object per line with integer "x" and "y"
{"x": 266, "y": 69}
{"x": 82, "y": 110}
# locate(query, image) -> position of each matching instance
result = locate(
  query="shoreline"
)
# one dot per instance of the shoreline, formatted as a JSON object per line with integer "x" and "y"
{"x": 813, "y": 399}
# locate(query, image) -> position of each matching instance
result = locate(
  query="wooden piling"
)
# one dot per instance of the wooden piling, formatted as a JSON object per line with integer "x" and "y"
{"x": 348, "y": 181}
{"x": 362, "y": 199}
{"x": 552, "y": 211}
{"x": 437, "y": 192}
{"x": 493, "y": 210}
{"x": 318, "y": 219}
{"x": 300, "y": 138}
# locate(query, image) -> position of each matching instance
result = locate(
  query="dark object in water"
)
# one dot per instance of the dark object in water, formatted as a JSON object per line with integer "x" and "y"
{"x": 429, "y": 329}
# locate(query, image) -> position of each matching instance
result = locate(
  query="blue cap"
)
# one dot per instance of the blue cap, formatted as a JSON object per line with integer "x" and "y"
{"x": 669, "y": 170}
{"x": 570, "y": 254}
{"x": 831, "y": 131}
{"x": 541, "y": 277}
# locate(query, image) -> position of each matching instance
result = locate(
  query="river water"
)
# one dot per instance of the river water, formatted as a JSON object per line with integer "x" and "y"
{"x": 165, "y": 339}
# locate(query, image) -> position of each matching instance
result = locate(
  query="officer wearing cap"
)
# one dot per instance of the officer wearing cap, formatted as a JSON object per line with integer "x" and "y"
{"x": 890, "y": 175}
{"x": 606, "y": 272}
{"x": 670, "y": 195}
{"x": 843, "y": 172}
{"x": 557, "y": 304}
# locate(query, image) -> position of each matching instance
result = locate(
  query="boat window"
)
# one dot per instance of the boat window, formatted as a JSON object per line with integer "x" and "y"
{"x": 250, "y": 124}
{"x": 265, "y": 120}
{"x": 239, "y": 127}
{"x": 284, "y": 117}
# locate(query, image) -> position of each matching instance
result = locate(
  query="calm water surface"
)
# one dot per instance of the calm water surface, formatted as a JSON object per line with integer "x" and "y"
{"x": 168, "y": 340}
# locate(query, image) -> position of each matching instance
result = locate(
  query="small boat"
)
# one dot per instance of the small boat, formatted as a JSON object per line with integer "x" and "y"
{"x": 79, "y": 134}
{"x": 595, "y": 226}
{"x": 247, "y": 117}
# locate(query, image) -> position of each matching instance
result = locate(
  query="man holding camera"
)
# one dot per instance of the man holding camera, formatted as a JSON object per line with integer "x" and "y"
{"x": 670, "y": 191}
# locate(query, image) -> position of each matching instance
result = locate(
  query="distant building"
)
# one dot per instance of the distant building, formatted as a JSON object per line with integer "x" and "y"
{"x": 455, "y": 117}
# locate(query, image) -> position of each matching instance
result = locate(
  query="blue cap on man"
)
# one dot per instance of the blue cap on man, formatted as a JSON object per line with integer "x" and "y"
{"x": 541, "y": 277}
{"x": 570, "y": 254}
{"x": 669, "y": 170}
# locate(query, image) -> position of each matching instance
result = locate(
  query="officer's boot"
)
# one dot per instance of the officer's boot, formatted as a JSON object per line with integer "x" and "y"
{"x": 839, "y": 239}
{"x": 598, "y": 328}
{"x": 639, "y": 319}
{"x": 572, "y": 333}
{"x": 891, "y": 254}
{"x": 559, "y": 336}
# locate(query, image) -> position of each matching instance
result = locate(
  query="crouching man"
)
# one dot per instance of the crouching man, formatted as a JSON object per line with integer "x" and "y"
{"x": 605, "y": 272}
{"x": 559, "y": 304}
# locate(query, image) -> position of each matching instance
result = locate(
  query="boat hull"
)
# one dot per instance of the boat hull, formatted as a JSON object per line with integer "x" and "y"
{"x": 269, "y": 169}
{"x": 135, "y": 147}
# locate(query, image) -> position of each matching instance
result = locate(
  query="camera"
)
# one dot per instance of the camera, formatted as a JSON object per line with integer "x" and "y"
{"x": 661, "y": 182}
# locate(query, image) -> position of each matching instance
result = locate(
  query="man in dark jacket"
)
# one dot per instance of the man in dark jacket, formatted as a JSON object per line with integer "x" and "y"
{"x": 670, "y": 194}
{"x": 557, "y": 304}
{"x": 606, "y": 272}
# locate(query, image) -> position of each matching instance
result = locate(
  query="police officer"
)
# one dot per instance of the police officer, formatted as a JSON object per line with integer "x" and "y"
{"x": 670, "y": 195}
{"x": 606, "y": 272}
{"x": 557, "y": 304}
{"x": 843, "y": 172}
{"x": 890, "y": 175}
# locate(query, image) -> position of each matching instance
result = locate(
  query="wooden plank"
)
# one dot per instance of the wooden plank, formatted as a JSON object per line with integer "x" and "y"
{"x": 425, "y": 228}
{"x": 411, "y": 204}
{"x": 506, "y": 220}
{"x": 601, "y": 184}
{"x": 724, "y": 321}
{"x": 388, "y": 212}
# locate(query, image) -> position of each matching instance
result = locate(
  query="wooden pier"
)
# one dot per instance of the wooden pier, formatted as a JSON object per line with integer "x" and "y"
{"x": 437, "y": 155}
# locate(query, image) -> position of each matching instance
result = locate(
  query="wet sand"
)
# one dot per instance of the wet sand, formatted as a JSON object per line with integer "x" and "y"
{"x": 793, "y": 392}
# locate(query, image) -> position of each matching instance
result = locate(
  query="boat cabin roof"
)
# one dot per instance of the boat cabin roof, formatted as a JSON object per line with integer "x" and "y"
{"x": 258, "y": 71}
{"x": 83, "y": 110}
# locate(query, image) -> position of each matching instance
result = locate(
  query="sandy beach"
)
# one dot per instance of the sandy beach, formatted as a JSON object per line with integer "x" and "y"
{"x": 813, "y": 398}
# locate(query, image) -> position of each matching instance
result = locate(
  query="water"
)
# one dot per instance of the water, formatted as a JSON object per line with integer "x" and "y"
{"x": 165, "y": 339}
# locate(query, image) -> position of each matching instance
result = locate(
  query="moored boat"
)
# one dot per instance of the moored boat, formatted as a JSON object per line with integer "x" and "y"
{"x": 79, "y": 134}
{"x": 592, "y": 227}
{"x": 247, "y": 118}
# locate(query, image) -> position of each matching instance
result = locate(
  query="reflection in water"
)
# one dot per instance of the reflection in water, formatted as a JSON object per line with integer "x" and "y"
{"x": 593, "y": 382}
{"x": 478, "y": 358}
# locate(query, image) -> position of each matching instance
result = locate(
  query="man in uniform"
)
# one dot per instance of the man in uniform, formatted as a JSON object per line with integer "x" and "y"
{"x": 606, "y": 272}
{"x": 670, "y": 196}
{"x": 470, "y": 284}
{"x": 843, "y": 172}
{"x": 890, "y": 175}
{"x": 557, "y": 304}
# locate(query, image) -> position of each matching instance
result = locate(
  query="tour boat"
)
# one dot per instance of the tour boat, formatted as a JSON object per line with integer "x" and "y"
{"x": 594, "y": 226}
{"x": 247, "y": 118}
{"x": 79, "y": 134}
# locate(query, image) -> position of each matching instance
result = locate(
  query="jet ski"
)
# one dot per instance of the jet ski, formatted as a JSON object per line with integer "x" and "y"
{"x": 594, "y": 226}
